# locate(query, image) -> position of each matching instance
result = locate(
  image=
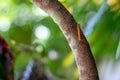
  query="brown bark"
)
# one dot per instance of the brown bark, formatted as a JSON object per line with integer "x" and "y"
{"x": 6, "y": 61}
{"x": 80, "y": 47}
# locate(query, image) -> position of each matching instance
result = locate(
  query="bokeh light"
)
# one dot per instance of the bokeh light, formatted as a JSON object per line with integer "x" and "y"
{"x": 53, "y": 54}
{"x": 38, "y": 12}
{"x": 4, "y": 24}
{"x": 42, "y": 32}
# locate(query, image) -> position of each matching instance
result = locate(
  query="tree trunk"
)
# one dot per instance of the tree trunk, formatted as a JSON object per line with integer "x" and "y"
{"x": 6, "y": 61}
{"x": 77, "y": 41}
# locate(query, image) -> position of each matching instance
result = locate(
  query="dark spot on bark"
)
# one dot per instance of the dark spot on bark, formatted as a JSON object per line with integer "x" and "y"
{"x": 44, "y": 2}
{"x": 69, "y": 40}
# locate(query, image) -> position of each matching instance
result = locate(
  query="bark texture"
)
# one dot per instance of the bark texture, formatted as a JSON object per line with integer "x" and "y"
{"x": 80, "y": 47}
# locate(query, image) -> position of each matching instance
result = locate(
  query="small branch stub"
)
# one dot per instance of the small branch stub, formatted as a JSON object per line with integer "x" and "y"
{"x": 79, "y": 32}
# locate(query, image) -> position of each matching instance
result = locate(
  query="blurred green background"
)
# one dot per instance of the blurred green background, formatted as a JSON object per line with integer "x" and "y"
{"x": 33, "y": 38}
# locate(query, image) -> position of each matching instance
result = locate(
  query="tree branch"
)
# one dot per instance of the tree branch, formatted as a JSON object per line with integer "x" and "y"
{"x": 80, "y": 47}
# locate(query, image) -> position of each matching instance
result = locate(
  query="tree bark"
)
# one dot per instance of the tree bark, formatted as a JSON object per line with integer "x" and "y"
{"x": 6, "y": 61}
{"x": 80, "y": 47}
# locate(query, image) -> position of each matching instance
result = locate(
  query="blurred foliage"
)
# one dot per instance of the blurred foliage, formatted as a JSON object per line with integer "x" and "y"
{"x": 19, "y": 20}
